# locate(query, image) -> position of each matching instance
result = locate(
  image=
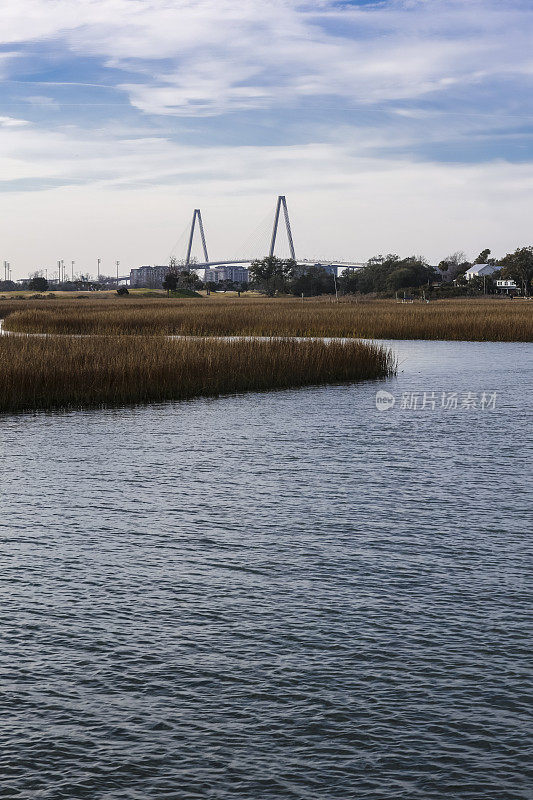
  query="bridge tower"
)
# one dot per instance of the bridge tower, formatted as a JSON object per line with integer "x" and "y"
{"x": 282, "y": 202}
{"x": 196, "y": 216}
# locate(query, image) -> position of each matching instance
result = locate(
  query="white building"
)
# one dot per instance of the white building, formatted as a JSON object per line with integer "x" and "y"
{"x": 481, "y": 270}
{"x": 237, "y": 274}
{"x": 506, "y": 287}
{"x": 148, "y": 277}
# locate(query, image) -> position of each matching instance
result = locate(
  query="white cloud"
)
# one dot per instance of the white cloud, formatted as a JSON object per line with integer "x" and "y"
{"x": 137, "y": 196}
{"x": 210, "y": 56}
{"x": 128, "y": 193}
{"x": 12, "y": 122}
{"x": 42, "y": 101}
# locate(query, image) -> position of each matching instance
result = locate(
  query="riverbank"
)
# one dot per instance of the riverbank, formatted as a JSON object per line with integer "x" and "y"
{"x": 467, "y": 320}
{"x": 49, "y": 373}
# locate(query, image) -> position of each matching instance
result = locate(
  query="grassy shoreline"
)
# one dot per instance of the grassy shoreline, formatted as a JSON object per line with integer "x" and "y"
{"x": 49, "y": 373}
{"x": 467, "y": 320}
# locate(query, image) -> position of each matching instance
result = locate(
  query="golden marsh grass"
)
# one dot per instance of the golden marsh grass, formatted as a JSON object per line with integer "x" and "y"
{"x": 69, "y": 372}
{"x": 464, "y": 319}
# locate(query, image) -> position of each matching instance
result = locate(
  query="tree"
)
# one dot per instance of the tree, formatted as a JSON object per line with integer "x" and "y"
{"x": 271, "y": 274}
{"x": 454, "y": 265}
{"x": 312, "y": 282}
{"x": 484, "y": 283}
{"x": 483, "y": 257}
{"x": 38, "y": 284}
{"x": 348, "y": 281}
{"x": 383, "y": 273}
{"x": 518, "y": 267}
{"x": 187, "y": 279}
{"x": 170, "y": 282}
{"x": 400, "y": 278}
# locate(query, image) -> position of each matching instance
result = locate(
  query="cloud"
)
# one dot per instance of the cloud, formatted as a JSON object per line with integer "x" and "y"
{"x": 210, "y": 57}
{"x": 11, "y": 122}
{"x": 42, "y": 101}
{"x": 130, "y": 198}
{"x": 366, "y": 115}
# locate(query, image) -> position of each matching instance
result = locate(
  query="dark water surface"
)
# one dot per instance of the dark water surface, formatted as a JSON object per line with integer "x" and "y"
{"x": 286, "y": 595}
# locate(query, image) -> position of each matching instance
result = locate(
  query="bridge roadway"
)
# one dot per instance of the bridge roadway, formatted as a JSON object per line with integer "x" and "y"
{"x": 305, "y": 262}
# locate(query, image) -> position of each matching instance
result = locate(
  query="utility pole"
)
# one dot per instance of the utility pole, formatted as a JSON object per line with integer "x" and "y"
{"x": 117, "y": 263}
{"x": 98, "y": 271}
{"x": 72, "y": 271}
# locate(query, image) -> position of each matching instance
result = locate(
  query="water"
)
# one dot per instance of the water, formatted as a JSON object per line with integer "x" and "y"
{"x": 286, "y": 595}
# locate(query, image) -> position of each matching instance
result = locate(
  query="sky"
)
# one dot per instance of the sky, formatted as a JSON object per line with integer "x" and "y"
{"x": 396, "y": 126}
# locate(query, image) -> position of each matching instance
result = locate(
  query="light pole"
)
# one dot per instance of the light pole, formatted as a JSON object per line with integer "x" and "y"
{"x": 117, "y": 263}
{"x": 98, "y": 271}
{"x": 72, "y": 270}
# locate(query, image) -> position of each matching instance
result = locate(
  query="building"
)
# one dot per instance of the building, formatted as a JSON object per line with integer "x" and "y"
{"x": 235, "y": 273}
{"x": 507, "y": 287}
{"x": 147, "y": 277}
{"x": 481, "y": 271}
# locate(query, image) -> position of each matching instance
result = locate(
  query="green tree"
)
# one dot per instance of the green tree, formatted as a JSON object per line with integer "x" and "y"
{"x": 187, "y": 279}
{"x": 270, "y": 275}
{"x": 483, "y": 257}
{"x": 312, "y": 282}
{"x": 518, "y": 267}
{"x": 38, "y": 284}
{"x": 170, "y": 282}
{"x": 383, "y": 273}
{"x": 400, "y": 278}
{"x": 348, "y": 281}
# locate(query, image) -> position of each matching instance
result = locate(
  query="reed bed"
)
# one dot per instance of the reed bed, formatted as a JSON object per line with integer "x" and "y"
{"x": 469, "y": 319}
{"x": 47, "y": 373}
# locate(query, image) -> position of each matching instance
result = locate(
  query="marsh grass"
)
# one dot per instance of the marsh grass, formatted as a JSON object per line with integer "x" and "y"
{"x": 47, "y": 373}
{"x": 465, "y": 319}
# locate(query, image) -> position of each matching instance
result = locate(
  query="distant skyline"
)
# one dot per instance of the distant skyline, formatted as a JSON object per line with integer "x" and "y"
{"x": 401, "y": 126}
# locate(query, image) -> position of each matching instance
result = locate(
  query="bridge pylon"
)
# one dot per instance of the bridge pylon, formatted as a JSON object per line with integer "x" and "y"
{"x": 282, "y": 203}
{"x": 196, "y": 216}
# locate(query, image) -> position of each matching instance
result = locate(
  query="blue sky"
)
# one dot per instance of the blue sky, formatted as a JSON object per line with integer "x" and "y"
{"x": 403, "y": 125}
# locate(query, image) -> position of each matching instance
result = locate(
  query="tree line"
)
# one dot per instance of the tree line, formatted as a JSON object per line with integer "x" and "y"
{"x": 379, "y": 275}
{"x": 391, "y": 273}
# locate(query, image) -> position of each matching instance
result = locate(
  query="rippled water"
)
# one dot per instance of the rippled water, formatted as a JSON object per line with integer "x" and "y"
{"x": 286, "y": 595}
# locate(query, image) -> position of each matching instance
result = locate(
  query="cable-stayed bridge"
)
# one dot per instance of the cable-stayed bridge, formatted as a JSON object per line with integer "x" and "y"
{"x": 256, "y": 248}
